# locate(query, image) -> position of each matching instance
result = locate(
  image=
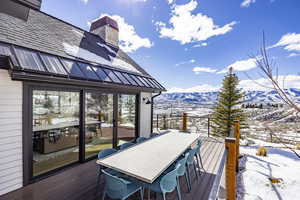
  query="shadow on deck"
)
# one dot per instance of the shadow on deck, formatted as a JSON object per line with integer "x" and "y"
{"x": 78, "y": 183}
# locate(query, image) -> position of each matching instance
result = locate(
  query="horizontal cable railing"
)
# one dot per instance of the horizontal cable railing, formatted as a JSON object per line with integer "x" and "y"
{"x": 197, "y": 124}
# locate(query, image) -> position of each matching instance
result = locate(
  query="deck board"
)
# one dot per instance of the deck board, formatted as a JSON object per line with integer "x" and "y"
{"x": 78, "y": 182}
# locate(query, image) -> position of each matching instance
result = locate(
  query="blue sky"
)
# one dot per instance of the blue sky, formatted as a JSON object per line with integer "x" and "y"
{"x": 187, "y": 44}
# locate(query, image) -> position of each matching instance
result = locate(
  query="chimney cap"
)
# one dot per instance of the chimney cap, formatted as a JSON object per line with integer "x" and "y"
{"x": 104, "y": 21}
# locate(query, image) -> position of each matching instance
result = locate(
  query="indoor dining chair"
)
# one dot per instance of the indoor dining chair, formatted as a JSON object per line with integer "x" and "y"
{"x": 120, "y": 188}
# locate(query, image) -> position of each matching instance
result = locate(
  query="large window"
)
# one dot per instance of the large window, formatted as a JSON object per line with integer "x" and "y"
{"x": 126, "y": 118}
{"x": 55, "y": 129}
{"x": 98, "y": 122}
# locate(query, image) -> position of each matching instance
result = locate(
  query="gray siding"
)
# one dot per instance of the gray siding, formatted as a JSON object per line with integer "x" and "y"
{"x": 11, "y": 170}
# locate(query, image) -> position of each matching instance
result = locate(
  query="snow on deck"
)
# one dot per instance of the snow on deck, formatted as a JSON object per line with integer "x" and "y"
{"x": 253, "y": 182}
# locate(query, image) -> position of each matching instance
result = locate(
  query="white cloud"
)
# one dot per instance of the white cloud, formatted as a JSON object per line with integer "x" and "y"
{"x": 293, "y": 55}
{"x": 198, "y": 88}
{"x": 246, "y": 3}
{"x": 290, "y": 81}
{"x": 197, "y": 70}
{"x": 185, "y": 62}
{"x": 240, "y": 65}
{"x": 203, "y": 44}
{"x": 130, "y": 41}
{"x": 185, "y": 27}
{"x": 289, "y": 41}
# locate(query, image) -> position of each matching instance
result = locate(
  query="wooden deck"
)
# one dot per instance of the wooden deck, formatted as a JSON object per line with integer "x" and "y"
{"x": 78, "y": 183}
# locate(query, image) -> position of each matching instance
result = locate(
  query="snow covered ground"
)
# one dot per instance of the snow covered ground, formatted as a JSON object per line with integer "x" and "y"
{"x": 253, "y": 182}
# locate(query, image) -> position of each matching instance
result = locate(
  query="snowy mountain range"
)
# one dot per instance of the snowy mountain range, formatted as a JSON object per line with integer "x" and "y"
{"x": 210, "y": 97}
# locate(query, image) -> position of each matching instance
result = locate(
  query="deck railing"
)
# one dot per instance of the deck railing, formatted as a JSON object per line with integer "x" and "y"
{"x": 184, "y": 122}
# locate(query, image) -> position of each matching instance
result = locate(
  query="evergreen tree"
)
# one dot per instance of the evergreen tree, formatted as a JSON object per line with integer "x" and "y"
{"x": 227, "y": 108}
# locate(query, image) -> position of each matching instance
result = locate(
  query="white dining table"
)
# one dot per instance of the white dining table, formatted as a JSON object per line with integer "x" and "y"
{"x": 146, "y": 161}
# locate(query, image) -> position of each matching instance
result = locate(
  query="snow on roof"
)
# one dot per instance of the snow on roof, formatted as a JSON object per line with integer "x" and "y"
{"x": 78, "y": 52}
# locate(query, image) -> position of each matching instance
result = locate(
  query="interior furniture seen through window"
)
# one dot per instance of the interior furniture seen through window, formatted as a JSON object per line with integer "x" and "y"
{"x": 126, "y": 118}
{"x": 98, "y": 123}
{"x": 55, "y": 130}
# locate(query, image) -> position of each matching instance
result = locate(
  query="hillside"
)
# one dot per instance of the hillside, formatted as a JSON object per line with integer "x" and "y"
{"x": 211, "y": 97}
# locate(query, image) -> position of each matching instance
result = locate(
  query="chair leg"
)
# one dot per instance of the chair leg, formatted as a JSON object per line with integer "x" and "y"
{"x": 198, "y": 164}
{"x": 187, "y": 182}
{"x": 201, "y": 162}
{"x": 178, "y": 192}
{"x": 164, "y": 196}
{"x": 178, "y": 183}
{"x": 103, "y": 195}
{"x": 142, "y": 193}
{"x": 195, "y": 169}
{"x": 189, "y": 176}
{"x": 98, "y": 183}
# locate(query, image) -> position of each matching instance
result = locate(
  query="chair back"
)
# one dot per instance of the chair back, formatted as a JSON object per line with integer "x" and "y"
{"x": 106, "y": 152}
{"x": 191, "y": 155}
{"x": 169, "y": 181}
{"x": 126, "y": 145}
{"x": 199, "y": 142}
{"x": 116, "y": 188}
{"x": 182, "y": 169}
{"x": 141, "y": 139}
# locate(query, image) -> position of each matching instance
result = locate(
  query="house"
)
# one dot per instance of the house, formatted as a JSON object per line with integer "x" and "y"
{"x": 65, "y": 93}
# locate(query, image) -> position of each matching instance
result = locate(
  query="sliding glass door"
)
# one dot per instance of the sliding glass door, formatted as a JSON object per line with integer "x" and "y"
{"x": 72, "y": 125}
{"x": 98, "y": 123}
{"x": 55, "y": 131}
{"x": 126, "y": 118}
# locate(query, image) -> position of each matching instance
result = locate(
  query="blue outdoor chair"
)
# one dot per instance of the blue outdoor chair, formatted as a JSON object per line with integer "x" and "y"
{"x": 141, "y": 139}
{"x": 182, "y": 170}
{"x": 126, "y": 145}
{"x": 103, "y": 154}
{"x": 119, "y": 188}
{"x": 191, "y": 161}
{"x": 198, "y": 154}
{"x": 166, "y": 183}
{"x": 154, "y": 135}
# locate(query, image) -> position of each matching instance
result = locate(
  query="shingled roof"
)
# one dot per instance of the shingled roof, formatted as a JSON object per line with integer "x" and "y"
{"x": 47, "y": 34}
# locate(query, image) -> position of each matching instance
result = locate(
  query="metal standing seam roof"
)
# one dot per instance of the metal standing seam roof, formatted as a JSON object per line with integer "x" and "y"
{"x": 35, "y": 62}
{"x": 46, "y": 45}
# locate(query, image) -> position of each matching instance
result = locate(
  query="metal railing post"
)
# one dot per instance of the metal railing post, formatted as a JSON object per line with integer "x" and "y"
{"x": 157, "y": 122}
{"x": 165, "y": 122}
{"x": 208, "y": 126}
{"x": 184, "y": 122}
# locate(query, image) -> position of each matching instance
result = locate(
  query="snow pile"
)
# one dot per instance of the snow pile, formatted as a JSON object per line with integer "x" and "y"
{"x": 89, "y": 56}
{"x": 253, "y": 182}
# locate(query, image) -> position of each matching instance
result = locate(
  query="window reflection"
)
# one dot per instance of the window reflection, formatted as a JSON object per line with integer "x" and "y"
{"x": 55, "y": 129}
{"x": 126, "y": 118}
{"x": 99, "y": 123}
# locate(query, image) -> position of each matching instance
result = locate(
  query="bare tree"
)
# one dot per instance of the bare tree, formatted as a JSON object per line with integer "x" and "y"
{"x": 269, "y": 71}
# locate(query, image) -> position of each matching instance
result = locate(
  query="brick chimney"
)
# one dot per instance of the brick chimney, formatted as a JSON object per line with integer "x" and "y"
{"x": 107, "y": 29}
